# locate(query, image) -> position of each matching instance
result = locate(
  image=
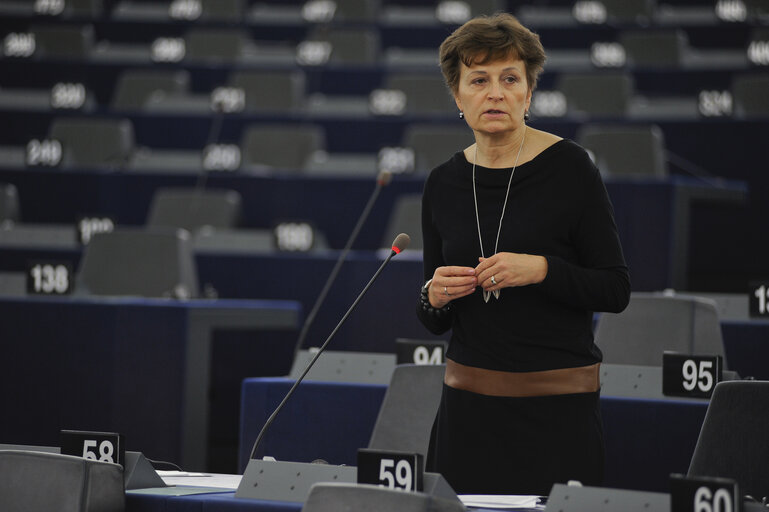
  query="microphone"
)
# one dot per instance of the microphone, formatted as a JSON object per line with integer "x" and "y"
{"x": 399, "y": 244}
{"x": 383, "y": 179}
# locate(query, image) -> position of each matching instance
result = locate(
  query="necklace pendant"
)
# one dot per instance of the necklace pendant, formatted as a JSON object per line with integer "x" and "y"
{"x": 496, "y": 293}
{"x": 486, "y": 296}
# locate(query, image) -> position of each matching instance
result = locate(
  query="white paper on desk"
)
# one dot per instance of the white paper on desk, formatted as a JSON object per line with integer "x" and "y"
{"x": 499, "y": 500}
{"x": 214, "y": 480}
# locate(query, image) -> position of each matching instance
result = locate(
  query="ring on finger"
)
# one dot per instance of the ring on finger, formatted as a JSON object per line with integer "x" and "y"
{"x": 446, "y": 290}
{"x": 493, "y": 281}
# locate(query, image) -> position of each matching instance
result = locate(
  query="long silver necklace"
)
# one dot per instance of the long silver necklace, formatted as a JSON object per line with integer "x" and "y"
{"x": 487, "y": 295}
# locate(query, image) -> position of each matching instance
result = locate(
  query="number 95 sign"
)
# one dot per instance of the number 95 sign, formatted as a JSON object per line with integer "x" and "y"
{"x": 690, "y": 376}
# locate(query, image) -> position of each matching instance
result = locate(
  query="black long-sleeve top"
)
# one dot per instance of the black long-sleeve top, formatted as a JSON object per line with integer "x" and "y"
{"x": 557, "y": 208}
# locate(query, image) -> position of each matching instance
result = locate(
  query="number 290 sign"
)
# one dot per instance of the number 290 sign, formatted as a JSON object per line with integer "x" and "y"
{"x": 394, "y": 470}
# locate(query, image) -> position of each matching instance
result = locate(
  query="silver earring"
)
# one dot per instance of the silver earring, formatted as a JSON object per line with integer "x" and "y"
{"x": 461, "y": 115}
{"x": 526, "y": 115}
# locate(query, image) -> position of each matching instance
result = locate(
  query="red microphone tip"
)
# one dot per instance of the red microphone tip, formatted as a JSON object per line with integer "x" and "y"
{"x": 401, "y": 242}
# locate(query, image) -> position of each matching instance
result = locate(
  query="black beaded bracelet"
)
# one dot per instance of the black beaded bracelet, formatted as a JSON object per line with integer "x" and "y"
{"x": 424, "y": 300}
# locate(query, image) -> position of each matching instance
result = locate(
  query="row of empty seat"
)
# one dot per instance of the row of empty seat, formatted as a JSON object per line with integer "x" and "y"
{"x": 423, "y": 12}
{"x": 287, "y": 94}
{"x": 324, "y": 46}
{"x": 81, "y": 143}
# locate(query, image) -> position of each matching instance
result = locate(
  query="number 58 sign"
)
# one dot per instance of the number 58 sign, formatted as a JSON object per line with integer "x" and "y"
{"x": 101, "y": 446}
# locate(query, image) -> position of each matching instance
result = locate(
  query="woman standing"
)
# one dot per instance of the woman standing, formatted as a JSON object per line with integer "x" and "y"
{"x": 520, "y": 248}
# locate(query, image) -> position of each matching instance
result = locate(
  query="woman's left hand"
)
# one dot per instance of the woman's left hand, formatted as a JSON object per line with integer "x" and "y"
{"x": 510, "y": 269}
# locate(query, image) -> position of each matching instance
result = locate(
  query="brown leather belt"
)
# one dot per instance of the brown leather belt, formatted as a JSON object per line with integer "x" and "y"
{"x": 563, "y": 381}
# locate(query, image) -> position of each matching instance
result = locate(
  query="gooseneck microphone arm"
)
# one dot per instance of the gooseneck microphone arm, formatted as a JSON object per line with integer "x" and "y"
{"x": 400, "y": 243}
{"x": 383, "y": 179}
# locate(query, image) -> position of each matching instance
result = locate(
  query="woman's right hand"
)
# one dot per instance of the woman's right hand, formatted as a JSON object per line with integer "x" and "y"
{"x": 451, "y": 283}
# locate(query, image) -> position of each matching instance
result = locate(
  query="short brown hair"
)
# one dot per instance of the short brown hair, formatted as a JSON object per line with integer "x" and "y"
{"x": 488, "y": 38}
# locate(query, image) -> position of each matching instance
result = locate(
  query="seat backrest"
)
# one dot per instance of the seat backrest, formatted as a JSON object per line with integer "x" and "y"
{"x": 732, "y": 442}
{"x": 138, "y": 88}
{"x": 156, "y": 262}
{"x": 192, "y": 209}
{"x": 214, "y": 44}
{"x": 750, "y": 97}
{"x": 654, "y": 49}
{"x": 222, "y": 10}
{"x": 89, "y": 142}
{"x": 282, "y": 91}
{"x": 624, "y": 150}
{"x": 286, "y": 146}
{"x": 350, "y": 46}
{"x": 335, "y": 497}
{"x": 408, "y": 410}
{"x": 51, "y": 481}
{"x": 63, "y": 41}
{"x": 433, "y": 144}
{"x": 406, "y": 217}
{"x": 84, "y": 8}
{"x": 596, "y": 94}
{"x": 630, "y": 11}
{"x": 356, "y": 11}
{"x": 9, "y": 203}
{"x": 654, "y": 323}
{"x": 425, "y": 94}
{"x": 487, "y": 7}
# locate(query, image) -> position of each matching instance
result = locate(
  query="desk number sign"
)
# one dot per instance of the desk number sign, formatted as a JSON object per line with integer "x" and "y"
{"x": 690, "y": 376}
{"x": 703, "y": 494}
{"x": 101, "y": 446}
{"x": 49, "y": 278}
{"x": 759, "y": 300}
{"x": 394, "y": 470}
{"x": 421, "y": 352}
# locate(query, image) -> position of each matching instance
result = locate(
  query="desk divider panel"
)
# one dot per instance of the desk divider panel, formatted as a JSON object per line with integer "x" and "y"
{"x": 291, "y": 481}
{"x": 138, "y": 472}
{"x": 338, "y": 366}
{"x": 567, "y": 498}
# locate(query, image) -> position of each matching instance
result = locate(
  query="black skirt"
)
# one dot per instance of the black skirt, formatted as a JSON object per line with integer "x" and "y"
{"x": 508, "y": 445}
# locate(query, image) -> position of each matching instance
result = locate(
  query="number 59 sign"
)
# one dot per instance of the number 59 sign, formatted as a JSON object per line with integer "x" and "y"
{"x": 394, "y": 470}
